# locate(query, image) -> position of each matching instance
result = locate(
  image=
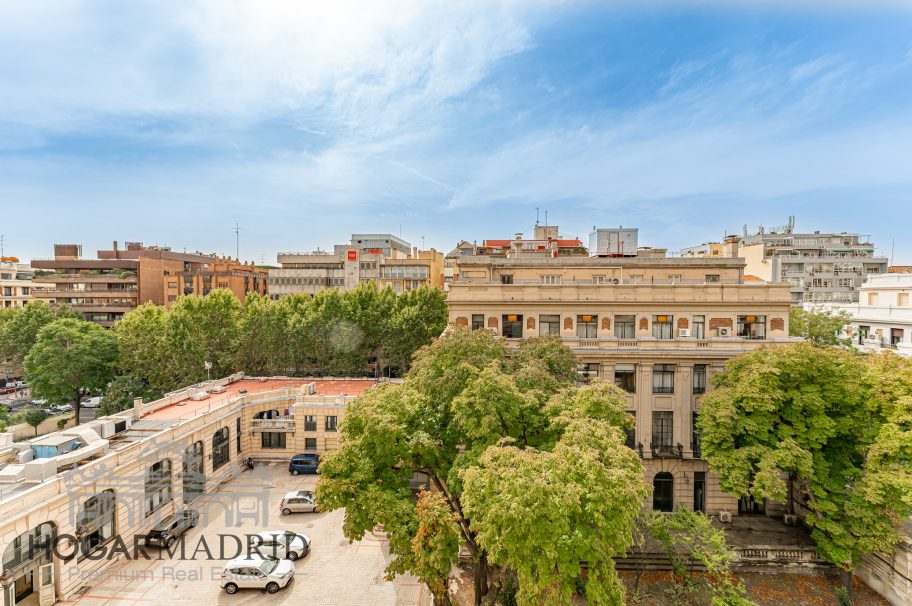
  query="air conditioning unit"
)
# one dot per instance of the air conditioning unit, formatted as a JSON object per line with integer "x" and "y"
{"x": 725, "y": 331}
{"x": 616, "y": 281}
{"x": 790, "y": 519}
{"x": 683, "y": 332}
{"x": 725, "y": 516}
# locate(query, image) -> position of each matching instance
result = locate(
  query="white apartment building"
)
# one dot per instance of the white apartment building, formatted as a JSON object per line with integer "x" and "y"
{"x": 882, "y": 317}
{"x": 15, "y": 284}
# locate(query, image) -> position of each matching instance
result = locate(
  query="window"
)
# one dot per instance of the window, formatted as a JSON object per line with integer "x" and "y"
{"x": 172, "y": 298}
{"x": 700, "y": 491}
{"x": 663, "y": 378}
{"x": 237, "y": 435}
{"x": 713, "y": 278}
{"x": 695, "y": 436}
{"x": 172, "y": 284}
{"x": 902, "y": 299}
{"x": 549, "y": 279}
{"x": 587, "y": 327}
{"x": 625, "y": 377}
{"x": 588, "y": 371}
{"x": 674, "y": 278}
{"x": 600, "y": 280}
{"x": 310, "y": 423}
{"x": 549, "y": 324}
{"x": 513, "y": 326}
{"x": 663, "y": 492}
{"x": 331, "y": 423}
{"x": 158, "y": 486}
{"x": 662, "y": 429}
{"x": 630, "y": 441}
{"x": 25, "y": 290}
{"x": 477, "y": 321}
{"x": 662, "y": 327}
{"x": 699, "y": 378}
{"x": 752, "y": 327}
{"x": 7, "y": 291}
{"x": 872, "y": 298}
{"x": 625, "y": 327}
{"x": 96, "y": 523}
{"x": 273, "y": 439}
{"x": 310, "y": 443}
{"x": 896, "y": 335}
{"x": 220, "y": 448}
{"x": 506, "y": 279}
{"x": 699, "y": 327}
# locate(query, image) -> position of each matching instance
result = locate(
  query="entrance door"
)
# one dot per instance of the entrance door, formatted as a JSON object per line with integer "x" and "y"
{"x": 663, "y": 492}
{"x": 46, "y": 594}
{"x": 748, "y": 506}
{"x": 23, "y": 586}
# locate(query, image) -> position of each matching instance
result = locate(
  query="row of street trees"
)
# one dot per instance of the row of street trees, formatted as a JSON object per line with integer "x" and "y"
{"x": 154, "y": 350}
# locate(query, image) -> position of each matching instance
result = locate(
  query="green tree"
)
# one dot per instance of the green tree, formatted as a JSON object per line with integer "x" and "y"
{"x": 263, "y": 348}
{"x": 203, "y": 329}
{"x": 143, "y": 349}
{"x": 419, "y": 316}
{"x": 19, "y": 328}
{"x": 834, "y": 423}
{"x": 821, "y": 327}
{"x": 461, "y": 418}
{"x": 35, "y": 417}
{"x": 121, "y": 392}
{"x": 70, "y": 359}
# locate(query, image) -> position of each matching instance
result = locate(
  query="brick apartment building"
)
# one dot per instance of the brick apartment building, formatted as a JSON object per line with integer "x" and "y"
{"x": 120, "y": 279}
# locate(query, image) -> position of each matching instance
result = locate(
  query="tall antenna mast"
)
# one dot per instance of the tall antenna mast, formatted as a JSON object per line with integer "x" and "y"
{"x": 536, "y": 216}
{"x": 2, "y": 240}
{"x": 237, "y": 242}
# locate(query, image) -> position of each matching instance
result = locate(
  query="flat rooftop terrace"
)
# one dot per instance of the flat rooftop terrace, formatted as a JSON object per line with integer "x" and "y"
{"x": 188, "y": 408}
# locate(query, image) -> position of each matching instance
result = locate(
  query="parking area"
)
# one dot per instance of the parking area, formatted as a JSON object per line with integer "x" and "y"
{"x": 335, "y": 573}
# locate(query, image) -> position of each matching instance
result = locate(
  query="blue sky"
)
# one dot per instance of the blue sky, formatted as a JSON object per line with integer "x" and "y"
{"x": 168, "y": 122}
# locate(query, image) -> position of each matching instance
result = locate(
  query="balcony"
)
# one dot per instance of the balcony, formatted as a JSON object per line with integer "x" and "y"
{"x": 683, "y": 344}
{"x": 99, "y": 292}
{"x": 667, "y": 451}
{"x": 283, "y": 424}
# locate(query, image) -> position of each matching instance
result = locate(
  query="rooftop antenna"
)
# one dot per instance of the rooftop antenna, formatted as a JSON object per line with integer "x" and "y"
{"x": 422, "y": 242}
{"x": 546, "y": 219}
{"x": 237, "y": 241}
{"x": 536, "y": 216}
{"x": 892, "y": 249}
{"x": 2, "y": 242}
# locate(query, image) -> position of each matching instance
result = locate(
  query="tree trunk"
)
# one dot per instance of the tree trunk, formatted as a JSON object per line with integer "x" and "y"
{"x": 481, "y": 577}
{"x": 847, "y": 577}
{"x": 78, "y": 407}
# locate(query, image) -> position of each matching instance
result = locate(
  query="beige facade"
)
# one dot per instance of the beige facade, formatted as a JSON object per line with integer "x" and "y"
{"x": 15, "y": 284}
{"x": 137, "y": 467}
{"x": 660, "y": 333}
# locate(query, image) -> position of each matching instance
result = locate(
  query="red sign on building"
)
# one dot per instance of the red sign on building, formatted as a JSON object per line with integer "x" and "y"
{"x": 352, "y": 255}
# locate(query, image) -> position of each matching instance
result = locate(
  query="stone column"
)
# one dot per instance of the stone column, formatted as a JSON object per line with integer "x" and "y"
{"x": 682, "y": 406}
{"x": 644, "y": 404}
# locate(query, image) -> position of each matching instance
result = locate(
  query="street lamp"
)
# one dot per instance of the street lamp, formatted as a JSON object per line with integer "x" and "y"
{"x": 208, "y": 366}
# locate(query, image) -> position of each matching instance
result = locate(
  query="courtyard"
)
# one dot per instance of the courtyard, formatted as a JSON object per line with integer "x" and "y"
{"x": 333, "y": 573}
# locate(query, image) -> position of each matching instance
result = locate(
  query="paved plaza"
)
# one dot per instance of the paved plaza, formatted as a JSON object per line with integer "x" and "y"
{"x": 335, "y": 573}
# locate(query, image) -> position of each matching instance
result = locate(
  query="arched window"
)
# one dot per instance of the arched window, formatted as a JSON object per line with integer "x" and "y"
{"x": 36, "y": 545}
{"x": 158, "y": 486}
{"x": 96, "y": 524}
{"x": 663, "y": 492}
{"x": 220, "y": 448}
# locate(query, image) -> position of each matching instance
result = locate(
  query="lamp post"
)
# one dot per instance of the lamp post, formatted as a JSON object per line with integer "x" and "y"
{"x": 208, "y": 366}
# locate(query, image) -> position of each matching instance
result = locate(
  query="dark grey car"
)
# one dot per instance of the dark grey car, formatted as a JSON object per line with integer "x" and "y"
{"x": 166, "y": 532}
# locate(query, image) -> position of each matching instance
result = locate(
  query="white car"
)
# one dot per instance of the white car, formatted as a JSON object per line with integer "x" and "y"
{"x": 256, "y": 573}
{"x": 91, "y": 402}
{"x": 283, "y": 544}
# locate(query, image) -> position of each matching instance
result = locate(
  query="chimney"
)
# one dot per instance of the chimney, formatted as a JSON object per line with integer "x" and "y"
{"x": 115, "y": 245}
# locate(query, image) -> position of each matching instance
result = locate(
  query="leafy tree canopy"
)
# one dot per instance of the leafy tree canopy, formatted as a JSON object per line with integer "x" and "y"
{"x": 837, "y": 421}
{"x": 70, "y": 359}
{"x": 19, "y": 327}
{"x": 522, "y": 461}
{"x": 821, "y": 327}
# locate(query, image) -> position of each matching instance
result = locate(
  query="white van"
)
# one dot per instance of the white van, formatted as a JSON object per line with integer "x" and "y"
{"x": 91, "y": 402}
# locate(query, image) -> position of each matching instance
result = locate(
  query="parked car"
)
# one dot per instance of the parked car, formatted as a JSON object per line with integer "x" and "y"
{"x": 304, "y": 463}
{"x": 62, "y": 408}
{"x": 254, "y": 572}
{"x": 283, "y": 544}
{"x": 7, "y": 389}
{"x": 20, "y": 385}
{"x": 166, "y": 532}
{"x": 299, "y": 501}
{"x": 91, "y": 402}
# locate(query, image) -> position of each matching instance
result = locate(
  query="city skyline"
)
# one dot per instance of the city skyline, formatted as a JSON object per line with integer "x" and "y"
{"x": 169, "y": 124}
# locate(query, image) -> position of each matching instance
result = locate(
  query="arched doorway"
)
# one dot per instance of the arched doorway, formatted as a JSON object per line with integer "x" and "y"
{"x": 663, "y": 491}
{"x": 267, "y": 414}
{"x": 97, "y": 521}
{"x": 194, "y": 472}
{"x": 29, "y": 563}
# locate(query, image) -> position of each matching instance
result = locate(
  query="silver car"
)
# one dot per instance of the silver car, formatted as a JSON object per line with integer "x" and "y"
{"x": 301, "y": 501}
